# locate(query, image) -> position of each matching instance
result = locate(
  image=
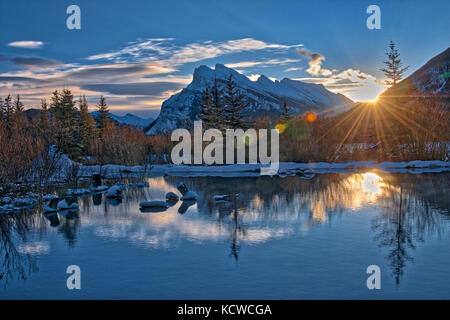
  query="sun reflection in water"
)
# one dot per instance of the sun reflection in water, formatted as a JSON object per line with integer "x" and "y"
{"x": 353, "y": 193}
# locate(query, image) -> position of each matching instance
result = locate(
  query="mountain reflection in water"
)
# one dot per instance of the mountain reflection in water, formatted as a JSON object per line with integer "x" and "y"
{"x": 409, "y": 210}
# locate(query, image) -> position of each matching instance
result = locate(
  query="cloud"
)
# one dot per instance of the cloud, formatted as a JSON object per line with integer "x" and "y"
{"x": 315, "y": 63}
{"x": 118, "y": 70}
{"x": 167, "y": 53}
{"x": 141, "y": 88}
{"x": 263, "y": 63}
{"x": 355, "y": 84}
{"x": 19, "y": 79}
{"x": 139, "y": 75}
{"x": 26, "y": 44}
{"x": 293, "y": 69}
{"x": 34, "y": 62}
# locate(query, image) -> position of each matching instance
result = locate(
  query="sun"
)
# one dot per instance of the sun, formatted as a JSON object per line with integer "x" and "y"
{"x": 373, "y": 101}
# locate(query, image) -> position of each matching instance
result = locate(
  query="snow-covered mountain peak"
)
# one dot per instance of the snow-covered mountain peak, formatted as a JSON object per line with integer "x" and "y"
{"x": 264, "y": 97}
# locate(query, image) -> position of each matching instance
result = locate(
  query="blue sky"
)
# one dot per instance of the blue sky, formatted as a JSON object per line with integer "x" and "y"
{"x": 138, "y": 53}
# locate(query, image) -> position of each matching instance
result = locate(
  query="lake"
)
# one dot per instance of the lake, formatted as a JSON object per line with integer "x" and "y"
{"x": 274, "y": 238}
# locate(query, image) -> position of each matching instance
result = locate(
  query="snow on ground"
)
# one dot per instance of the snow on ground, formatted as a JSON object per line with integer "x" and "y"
{"x": 253, "y": 170}
{"x": 302, "y": 170}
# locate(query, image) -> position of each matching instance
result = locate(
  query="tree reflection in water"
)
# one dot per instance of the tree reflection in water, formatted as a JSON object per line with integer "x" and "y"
{"x": 15, "y": 228}
{"x": 409, "y": 209}
{"x": 411, "y": 206}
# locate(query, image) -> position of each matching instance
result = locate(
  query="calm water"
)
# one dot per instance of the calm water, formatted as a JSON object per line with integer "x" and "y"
{"x": 280, "y": 239}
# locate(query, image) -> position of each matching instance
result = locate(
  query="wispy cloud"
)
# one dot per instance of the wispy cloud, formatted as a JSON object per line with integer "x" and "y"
{"x": 356, "y": 84}
{"x": 26, "y": 44}
{"x": 142, "y": 74}
{"x": 262, "y": 63}
{"x": 168, "y": 53}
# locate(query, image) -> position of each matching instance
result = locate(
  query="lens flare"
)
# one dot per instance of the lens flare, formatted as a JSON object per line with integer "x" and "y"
{"x": 280, "y": 127}
{"x": 310, "y": 117}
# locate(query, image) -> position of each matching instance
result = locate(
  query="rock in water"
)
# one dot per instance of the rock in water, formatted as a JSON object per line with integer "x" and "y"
{"x": 114, "y": 192}
{"x": 185, "y": 206}
{"x": 152, "y": 204}
{"x": 62, "y": 205}
{"x": 190, "y": 195}
{"x": 182, "y": 188}
{"x": 171, "y": 195}
{"x": 171, "y": 198}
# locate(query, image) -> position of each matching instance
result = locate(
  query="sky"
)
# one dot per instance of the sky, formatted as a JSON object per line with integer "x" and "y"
{"x": 138, "y": 53}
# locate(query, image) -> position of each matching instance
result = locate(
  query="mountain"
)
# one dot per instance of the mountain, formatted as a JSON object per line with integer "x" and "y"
{"x": 264, "y": 96}
{"x": 128, "y": 119}
{"x": 431, "y": 80}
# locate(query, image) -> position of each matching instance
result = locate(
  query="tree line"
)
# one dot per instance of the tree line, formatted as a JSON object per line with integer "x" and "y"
{"x": 224, "y": 107}
{"x": 64, "y": 126}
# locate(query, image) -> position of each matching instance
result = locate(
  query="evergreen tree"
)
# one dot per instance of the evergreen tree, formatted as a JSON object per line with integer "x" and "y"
{"x": 234, "y": 106}
{"x": 211, "y": 112}
{"x": 2, "y": 110}
{"x": 8, "y": 112}
{"x": 285, "y": 116}
{"x": 44, "y": 113}
{"x": 208, "y": 113}
{"x": 19, "y": 117}
{"x": 393, "y": 66}
{"x": 103, "y": 111}
{"x": 67, "y": 122}
{"x": 87, "y": 121}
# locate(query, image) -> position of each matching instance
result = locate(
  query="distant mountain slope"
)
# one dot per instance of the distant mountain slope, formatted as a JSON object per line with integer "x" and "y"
{"x": 128, "y": 119}
{"x": 265, "y": 97}
{"x": 432, "y": 79}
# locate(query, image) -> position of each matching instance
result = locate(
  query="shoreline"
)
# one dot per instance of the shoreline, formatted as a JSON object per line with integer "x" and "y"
{"x": 112, "y": 171}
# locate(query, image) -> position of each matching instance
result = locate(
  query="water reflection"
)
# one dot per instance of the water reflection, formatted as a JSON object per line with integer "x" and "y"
{"x": 409, "y": 209}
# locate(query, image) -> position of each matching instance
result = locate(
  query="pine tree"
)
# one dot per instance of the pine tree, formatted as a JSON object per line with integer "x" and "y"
{"x": 285, "y": 116}
{"x": 103, "y": 111}
{"x": 19, "y": 117}
{"x": 208, "y": 112}
{"x": 393, "y": 66}
{"x": 67, "y": 122}
{"x": 2, "y": 111}
{"x": 8, "y": 112}
{"x": 234, "y": 106}
{"x": 211, "y": 112}
{"x": 44, "y": 113}
{"x": 87, "y": 121}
